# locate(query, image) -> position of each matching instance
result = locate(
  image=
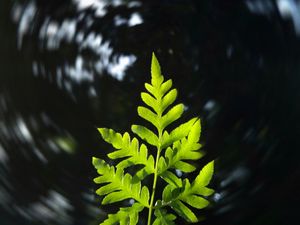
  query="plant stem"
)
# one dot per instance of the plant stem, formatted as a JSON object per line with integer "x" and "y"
{"x": 155, "y": 178}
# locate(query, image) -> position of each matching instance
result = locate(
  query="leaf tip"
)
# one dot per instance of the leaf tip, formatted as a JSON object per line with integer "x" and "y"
{"x": 95, "y": 162}
{"x": 102, "y": 131}
{"x": 153, "y": 55}
{"x": 155, "y": 67}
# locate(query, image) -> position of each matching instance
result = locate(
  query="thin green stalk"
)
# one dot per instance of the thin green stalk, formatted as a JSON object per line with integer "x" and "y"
{"x": 155, "y": 177}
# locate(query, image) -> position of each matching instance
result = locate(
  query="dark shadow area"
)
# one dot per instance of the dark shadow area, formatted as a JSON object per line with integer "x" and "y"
{"x": 68, "y": 67}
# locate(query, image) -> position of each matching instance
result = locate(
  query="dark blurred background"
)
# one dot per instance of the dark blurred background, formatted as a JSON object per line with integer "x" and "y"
{"x": 68, "y": 67}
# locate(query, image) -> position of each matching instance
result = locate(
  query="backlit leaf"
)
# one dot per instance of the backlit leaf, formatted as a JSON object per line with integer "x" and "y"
{"x": 126, "y": 216}
{"x": 165, "y": 87}
{"x": 178, "y": 133}
{"x": 122, "y": 185}
{"x": 184, "y": 211}
{"x": 168, "y": 99}
{"x": 148, "y": 115}
{"x": 157, "y": 78}
{"x": 171, "y": 178}
{"x": 172, "y": 115}
{"x": 145, "y": 134}
{"x": 184, "y": 166}
{"x": 205, "y": 175}
{"x": 163, "y": 217}
{"x": 110, "y": 136}
{"x": 196, "y": 201}
{"x": 150, "y": 101}
{"x": 129, "y": 151}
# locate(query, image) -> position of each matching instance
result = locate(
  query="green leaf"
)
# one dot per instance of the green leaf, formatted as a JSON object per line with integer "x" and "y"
{"x": 205, "y": 175}
{"x": 172, "y": 115}
{"x": 152, "y": 90}
{"x": 165, "y": 87}
{"x": 171, "y": 178}
{"x": 129, "y": 150}
{"x": 163, "y": 217}
{"x": 185, "y": 149}
{"x": 196, "y": 201}
{"x": 184, "y": 166}
{"x": 184, "y": 211}
{"x": 204, "y": 191}
{"x": 110, "y": 136}
{"x": 190, "y": 193}
{"x": 145, "y": 134}
{"x": 157, "y": 78}
{"x": 117, "y": 185}
{"x": 144, "y": 194}
{"x": 176, "y": 193}
{"x": 150, "y": 101}
{"x": 168, "y": 99}
{"x": 126, "y": 216}
{"x": 162, "y": 165}
{"x": 171, "y": 193}
{"x": 195, "y": 133}
{"x": 178, "y": 133}
{"x": 167, "y": 194}
{"x": 159, "y": 92}
{"x": 115, "y": 197}
{"x": 148, "y": 115}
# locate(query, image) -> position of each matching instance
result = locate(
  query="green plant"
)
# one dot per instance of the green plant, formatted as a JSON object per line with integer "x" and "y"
{"x": 173, "y": 150}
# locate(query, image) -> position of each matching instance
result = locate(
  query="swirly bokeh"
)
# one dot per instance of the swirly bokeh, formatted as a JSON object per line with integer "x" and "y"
{"x": 70, "y": 66}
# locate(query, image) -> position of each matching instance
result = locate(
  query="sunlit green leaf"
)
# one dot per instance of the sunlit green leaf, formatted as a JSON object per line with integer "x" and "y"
{"x": 196, "y": 201}
{"x": 162, "y": 165}
{"x": 152, "y": 90}
{"x": 184, "y": 211}
{"x": 115, "y": 197}
{"x": 148, "y": 115}
{"x": 150, "y": 101}
{"x": 178, "y": 133}
{"x": 185, "y": 149}
{"x": 163, "y": 217}
{"x": 168, "y": 99}
{"x": 121, "y": 184}
{"x": 167, "y": 193}
{"x": 172, "y": 115}
{"x": 195, "y": 133}
{"x": 110, "y": 136}
{"x": 205, "y": 175}
{"x": 184, "y": 166}
{"x": 171, "y": 178}
{"x": 165, "y": 87}
{"x": 145, "y": 134}
{"x": 126, "y": 216}
{"x": 129, "y": 151}
{"x": 157, "y": 78}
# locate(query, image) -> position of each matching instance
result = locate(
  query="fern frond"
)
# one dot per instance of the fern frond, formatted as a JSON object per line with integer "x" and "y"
{"x": 158, "y": 99}
{"x": 190, "y": 194}
{"x": 174, "y": 150}
{"x": 178, "y": 133}
{"x": 185, "y": 149}
{"x": 125, "y": 216}
{"x": 129, "y": 151}
{"x": 120, "y": 186}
